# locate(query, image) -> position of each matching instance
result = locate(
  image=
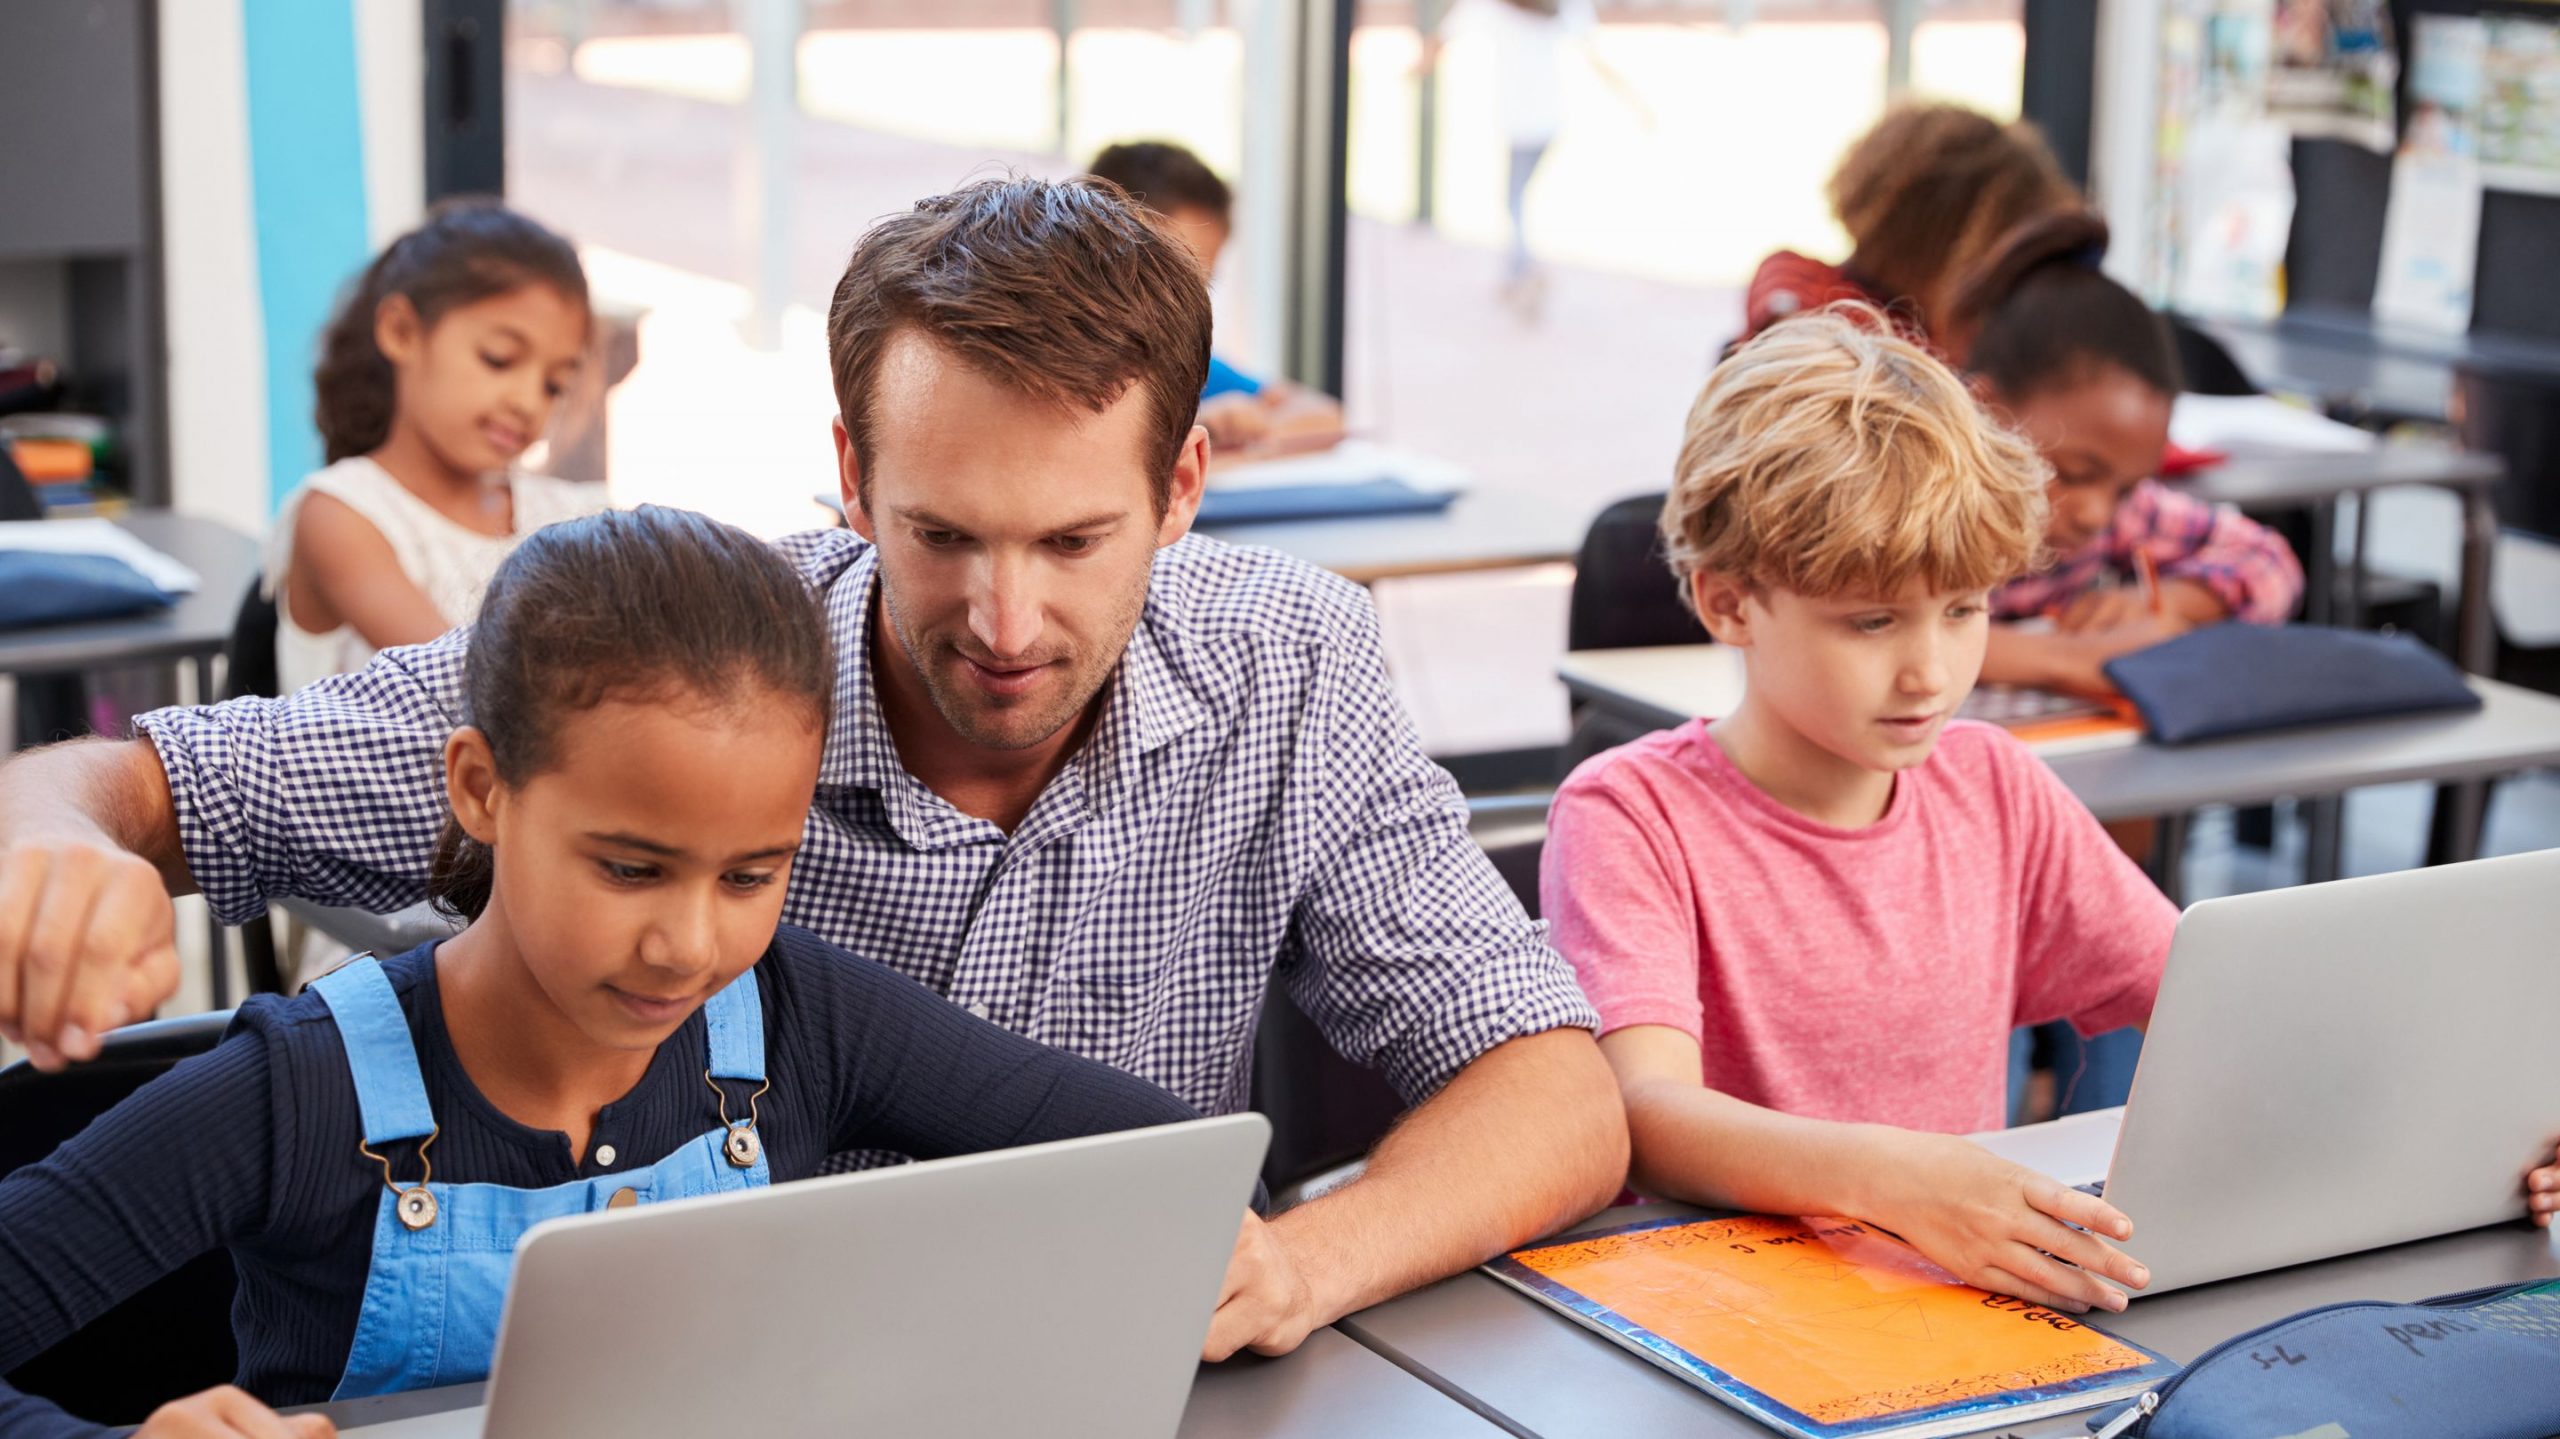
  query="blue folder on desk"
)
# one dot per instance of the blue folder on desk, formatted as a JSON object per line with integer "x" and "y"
{"x": 2236, "y": 679}
{"x": 1263, "y": 504}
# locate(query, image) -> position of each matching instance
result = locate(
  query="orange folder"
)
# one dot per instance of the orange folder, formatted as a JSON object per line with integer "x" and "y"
{"x": 1837, "y": 1324}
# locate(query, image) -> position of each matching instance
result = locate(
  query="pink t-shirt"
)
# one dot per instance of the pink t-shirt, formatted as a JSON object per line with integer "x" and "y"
{"x": 1855, "y": 974}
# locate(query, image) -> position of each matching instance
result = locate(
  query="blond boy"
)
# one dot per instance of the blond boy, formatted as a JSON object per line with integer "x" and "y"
{"x": 1811, "y": 924}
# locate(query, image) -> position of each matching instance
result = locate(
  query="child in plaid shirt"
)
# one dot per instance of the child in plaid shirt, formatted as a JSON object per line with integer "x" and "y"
{"x": 2086, "y": 371}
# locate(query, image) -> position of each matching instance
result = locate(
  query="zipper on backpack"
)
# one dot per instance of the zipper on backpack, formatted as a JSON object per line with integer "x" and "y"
{"x": 2143, "y": 1408}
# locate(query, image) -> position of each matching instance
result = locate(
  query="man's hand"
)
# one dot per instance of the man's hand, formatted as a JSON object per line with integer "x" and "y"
{"x": 1265, "y": 1305}
{"x": 2542, "y": 1193}
{"x": 228, "y": 1413}
{"x": 87, "y": 942}
{"x": 1999, "y": 1226}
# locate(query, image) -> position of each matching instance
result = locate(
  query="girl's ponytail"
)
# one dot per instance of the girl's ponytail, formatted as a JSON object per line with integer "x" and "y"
{"x": 2037, "y": 312}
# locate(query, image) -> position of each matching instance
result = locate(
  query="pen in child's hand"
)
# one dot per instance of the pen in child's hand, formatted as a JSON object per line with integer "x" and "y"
{"x": 2150, "y": 576}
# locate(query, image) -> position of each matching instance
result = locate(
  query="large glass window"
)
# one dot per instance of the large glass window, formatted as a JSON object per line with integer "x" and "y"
{"x": 1554, "y": 210}
{"x": 638, "y": 127}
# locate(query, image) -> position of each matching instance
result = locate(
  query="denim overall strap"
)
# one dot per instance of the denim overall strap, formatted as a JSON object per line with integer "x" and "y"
{"x": 735, "y": 1016}
{"x": 434, "y": 1295}
{"x": 389, "y": 1095}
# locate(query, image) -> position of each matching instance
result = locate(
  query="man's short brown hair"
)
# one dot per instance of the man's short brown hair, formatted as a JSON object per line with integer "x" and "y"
{"x": 1058, "y": 289}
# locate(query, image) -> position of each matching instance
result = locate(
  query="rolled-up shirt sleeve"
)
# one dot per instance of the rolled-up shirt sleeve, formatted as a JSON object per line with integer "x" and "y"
{"x": 1408, "y": 950}
{"x": 334, "y": 793}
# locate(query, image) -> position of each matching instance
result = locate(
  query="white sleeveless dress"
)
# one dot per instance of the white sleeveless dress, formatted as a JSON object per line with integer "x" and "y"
{"x": 450, "y": 563}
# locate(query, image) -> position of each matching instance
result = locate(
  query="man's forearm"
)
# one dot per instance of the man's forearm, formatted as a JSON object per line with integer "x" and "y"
{"x": 110, "y": 792}
{"x": 1525, "y": 1140}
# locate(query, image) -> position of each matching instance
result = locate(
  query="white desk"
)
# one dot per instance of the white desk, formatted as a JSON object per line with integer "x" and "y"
{"x": 2515, "y": 729}
{"x": 1543, "y": 1374}
{"x": 1330, "y": 1387}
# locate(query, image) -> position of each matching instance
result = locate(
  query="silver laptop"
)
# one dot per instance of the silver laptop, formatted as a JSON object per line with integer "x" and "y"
{"x": 2342, "y": 1066}
{"x": 1055, "y": 1289}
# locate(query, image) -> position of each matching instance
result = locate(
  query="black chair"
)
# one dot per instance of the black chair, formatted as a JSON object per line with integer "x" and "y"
{"x": 171, "y": 1339}
{"x": 2204, "y": 364}
{"x": 1624, "y": 597}
{"x": 249, "y": 668}
{"x": 17, "y": 497}
{"x": 2517, "y": 418}
{"x": 1325, "y": 1111}
{"x": 50, "y": 707}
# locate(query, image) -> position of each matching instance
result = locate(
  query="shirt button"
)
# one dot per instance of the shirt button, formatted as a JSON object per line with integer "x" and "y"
{"x": 604, "y": 1154}
{"x": 976, "y": 1007}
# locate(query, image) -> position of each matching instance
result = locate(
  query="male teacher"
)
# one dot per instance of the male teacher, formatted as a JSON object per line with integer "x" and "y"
{"x": 1086, "y": 777}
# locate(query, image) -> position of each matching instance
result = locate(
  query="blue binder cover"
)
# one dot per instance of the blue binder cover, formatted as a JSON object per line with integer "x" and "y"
{"x": 1262, "y": 504}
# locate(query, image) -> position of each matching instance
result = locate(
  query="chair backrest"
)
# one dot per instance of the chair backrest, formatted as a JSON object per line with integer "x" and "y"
{"x": 2205, "y": 365}
{"x": 1324, "y": 1110}
{"x": 1623, "y": 593}
{"x": 249, "y": 656}
{"x": 2516, "y": 418}
{"x": 17, "y": 497}
{"x": 171, "y": 1339}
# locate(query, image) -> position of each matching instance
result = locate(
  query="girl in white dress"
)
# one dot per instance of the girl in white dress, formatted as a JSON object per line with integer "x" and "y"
{"x": 441, "y": 368}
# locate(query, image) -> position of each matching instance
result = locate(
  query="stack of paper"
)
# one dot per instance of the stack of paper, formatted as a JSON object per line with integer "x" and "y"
{"x": 103, "y": 538}
{"x": 2254, "y": 427}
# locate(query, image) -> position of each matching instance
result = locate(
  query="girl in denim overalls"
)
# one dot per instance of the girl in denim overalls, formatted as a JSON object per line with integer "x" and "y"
{"x": 648, "y": 694}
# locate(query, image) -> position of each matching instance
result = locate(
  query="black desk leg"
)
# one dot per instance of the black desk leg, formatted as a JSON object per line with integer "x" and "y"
{"x": 220, "y": 962}
{"x": 2475, "y": 627}
{"x": 2459, "y": 818}
{"x": 2461, "y": 813}
{"x": 2351, "y": 613}
{"x": 214, "y": 947}
{"x": 2169, "y": 856}
{"x": 2324, "y": 838}
{"x": 2320, "y": 567}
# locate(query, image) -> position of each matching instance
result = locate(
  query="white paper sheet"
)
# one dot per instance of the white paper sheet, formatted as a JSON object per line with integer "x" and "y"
{"x": 99, "y": 537}
{"x": 2258, "y": 427}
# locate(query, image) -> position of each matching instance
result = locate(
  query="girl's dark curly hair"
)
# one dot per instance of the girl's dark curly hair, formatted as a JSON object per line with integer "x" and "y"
{"x": 467, "y": 250}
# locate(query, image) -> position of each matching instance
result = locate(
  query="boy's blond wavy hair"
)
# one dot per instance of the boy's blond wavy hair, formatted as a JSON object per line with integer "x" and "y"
{"x": 1831, "y": 457}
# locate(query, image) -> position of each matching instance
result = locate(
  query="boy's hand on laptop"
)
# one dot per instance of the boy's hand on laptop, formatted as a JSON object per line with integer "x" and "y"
{"x": 1265, "y": 1305}
{"x": 87, "y": 942}
{"x": 2001, "y": 1226}
{"x": 228, "y": 1413}
{"x": 2542, "y": 1193}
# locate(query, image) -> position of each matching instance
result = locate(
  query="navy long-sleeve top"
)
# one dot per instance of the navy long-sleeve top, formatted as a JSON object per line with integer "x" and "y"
{"x": 252, "y": 1147}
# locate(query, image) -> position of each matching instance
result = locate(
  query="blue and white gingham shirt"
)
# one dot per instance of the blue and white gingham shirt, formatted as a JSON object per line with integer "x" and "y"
{"x": 1253, "y": 796}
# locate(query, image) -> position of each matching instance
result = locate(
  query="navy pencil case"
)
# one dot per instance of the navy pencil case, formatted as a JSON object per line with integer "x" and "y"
{"x": 2483, "y": 1365}
{"x": 2236, "y": 679}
